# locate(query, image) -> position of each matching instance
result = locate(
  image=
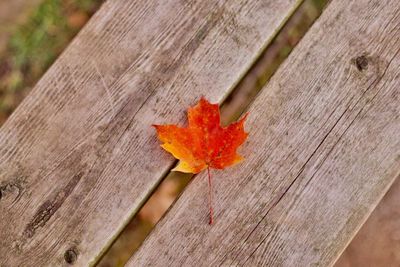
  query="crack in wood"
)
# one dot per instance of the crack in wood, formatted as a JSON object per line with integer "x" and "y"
{"x": 49, "y": 207}
{"x": 374, "y": 83}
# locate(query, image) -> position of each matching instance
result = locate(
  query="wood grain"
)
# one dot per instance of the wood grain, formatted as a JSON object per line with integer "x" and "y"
{"x": 79, "y": 155}
{"x": 324, "y": 146}
{"x": 377, "y": 242}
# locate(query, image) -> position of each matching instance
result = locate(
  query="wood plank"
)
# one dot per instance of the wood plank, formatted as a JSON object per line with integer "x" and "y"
{"x": 377, "y": 242}
{"x": 324, "y": 146}
{"x": 78, "y": 157}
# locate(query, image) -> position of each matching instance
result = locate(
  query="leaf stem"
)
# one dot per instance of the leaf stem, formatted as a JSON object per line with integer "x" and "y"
{"x": 210, "y": 196}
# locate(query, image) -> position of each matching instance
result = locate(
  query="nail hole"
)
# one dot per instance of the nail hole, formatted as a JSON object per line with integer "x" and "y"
{"x": 361, "y": 63}
{"x": 71, "y": 256}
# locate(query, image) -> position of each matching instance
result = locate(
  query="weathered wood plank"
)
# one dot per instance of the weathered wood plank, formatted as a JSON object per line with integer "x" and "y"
{"x": 78, "y": 157}
{"x": 377, "y": 242}
{"x": 324, "y": 146}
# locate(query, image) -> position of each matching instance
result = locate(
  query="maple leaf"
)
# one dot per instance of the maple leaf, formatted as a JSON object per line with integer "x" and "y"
{"x": 204, "y": 144}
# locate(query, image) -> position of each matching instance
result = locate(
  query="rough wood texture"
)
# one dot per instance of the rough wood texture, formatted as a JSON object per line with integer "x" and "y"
{"x": 377, "y": 242}
{"x": 324, "y": 146}
{"x": 79, "y": 157}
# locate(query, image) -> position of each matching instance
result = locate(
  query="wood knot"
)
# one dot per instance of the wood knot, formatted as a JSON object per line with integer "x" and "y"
{"x": 10, "y": 189}
{"x": 70, "y": 256}
{"x": 361, "y": 63}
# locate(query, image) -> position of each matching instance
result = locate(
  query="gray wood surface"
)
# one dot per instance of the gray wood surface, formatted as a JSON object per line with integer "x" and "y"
{"x": 323, "y": 148}
{"x": 79, "y": 157}
{"x": 377, "y": 242}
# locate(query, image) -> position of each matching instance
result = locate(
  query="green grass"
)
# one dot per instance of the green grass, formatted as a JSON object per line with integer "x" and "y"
{"x": 34, "y": 45}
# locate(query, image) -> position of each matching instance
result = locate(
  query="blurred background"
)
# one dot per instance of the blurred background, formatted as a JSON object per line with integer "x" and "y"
{"x": 34, "y": 32}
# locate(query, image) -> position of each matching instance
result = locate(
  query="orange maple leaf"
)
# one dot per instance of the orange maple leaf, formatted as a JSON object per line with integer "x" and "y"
{"x": 204, "y": 144}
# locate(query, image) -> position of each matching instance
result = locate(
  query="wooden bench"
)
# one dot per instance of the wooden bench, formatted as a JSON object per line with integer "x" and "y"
{"x": 79, "y": 158}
